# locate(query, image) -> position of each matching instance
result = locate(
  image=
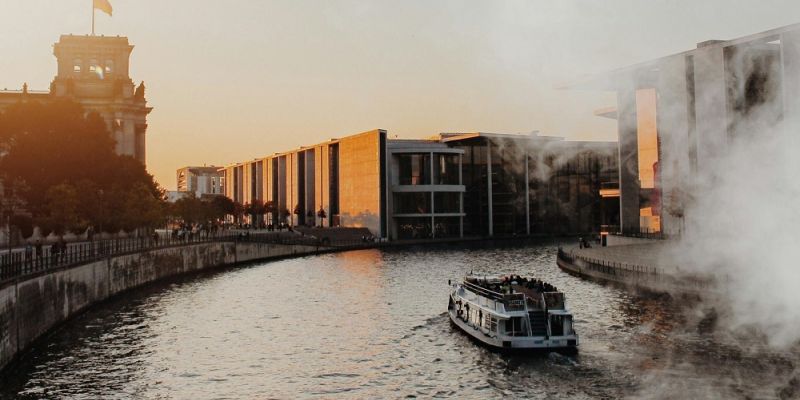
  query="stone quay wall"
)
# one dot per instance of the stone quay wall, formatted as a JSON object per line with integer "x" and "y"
{"x": 33, "y": 305}
{"x": 647, "y": 278}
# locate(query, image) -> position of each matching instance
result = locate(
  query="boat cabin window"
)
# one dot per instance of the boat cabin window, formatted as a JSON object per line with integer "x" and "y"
{"x": 561, "y": 325}
{"x": 556, "y": 325}
{"x": 516, "y": 326}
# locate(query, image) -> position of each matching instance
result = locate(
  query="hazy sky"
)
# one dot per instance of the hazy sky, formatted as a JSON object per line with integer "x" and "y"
{"x": 237, "y": 79}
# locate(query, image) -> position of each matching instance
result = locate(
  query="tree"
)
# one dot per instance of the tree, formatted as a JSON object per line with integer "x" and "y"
{"x": 270, "y": 208}
{"x": 222, "y": 206}
{"x": 256, "y": 210}
{"x": 141, "y": 209}
{"x": 310, "y": 218}
{"x": 11, "y": 208}
{"x": 62, "y": 204}
{"x": 285, "y": 214}
{"x": 321, "y": 215}
{"x": 48, "y": 144}
{"x": 238, "y": 212}
{"x": 299, "y": 212}
{"x": 189, "y": 209}
{"x": 56, "y": 148}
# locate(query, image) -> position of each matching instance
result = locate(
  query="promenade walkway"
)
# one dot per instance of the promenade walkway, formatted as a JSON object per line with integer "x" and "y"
{"x": 16, "y": 263}
{"x": 650, "y": 266}
{"x": 655, "y": 255}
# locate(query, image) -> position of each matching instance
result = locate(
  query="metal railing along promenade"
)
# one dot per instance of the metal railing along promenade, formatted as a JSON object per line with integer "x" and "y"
{"x": 626, "y": 272}
{"x": 607, "y": 266}
{"x": 21, "y": 263}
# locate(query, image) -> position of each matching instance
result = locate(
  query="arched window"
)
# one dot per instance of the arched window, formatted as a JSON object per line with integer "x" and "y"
{"x": 93, "y": 65}
{"x": 109, "y": 66}
{"x": 77, "y": 64}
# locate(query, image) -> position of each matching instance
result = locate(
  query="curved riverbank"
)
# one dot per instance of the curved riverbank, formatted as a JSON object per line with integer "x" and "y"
{"x": 639, "y": 276}
{"x": 33, "y": 305}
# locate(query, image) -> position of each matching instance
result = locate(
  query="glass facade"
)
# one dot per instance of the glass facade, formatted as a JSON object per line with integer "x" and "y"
{"x": 445, "y": 169}
{"x": 412, "y": 203}
{"x": 563, "y": 193}
{"x": 333, "y": 168}
{"x": 414, "y": 169}
{"x": 413, "y": 228}
{"x": 447, "y": 202}
{"x": 447, "y": 227}
{"x": 648, "y": 142}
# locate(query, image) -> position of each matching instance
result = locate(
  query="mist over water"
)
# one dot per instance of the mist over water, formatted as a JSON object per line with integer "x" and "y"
{"x": 372, "y": 324}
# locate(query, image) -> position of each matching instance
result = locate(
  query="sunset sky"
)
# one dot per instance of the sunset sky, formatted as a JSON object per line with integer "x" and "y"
{"x": 234, "y": 80}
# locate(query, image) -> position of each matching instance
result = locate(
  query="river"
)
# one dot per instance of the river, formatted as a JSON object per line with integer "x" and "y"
{"x": 373, "y": 324}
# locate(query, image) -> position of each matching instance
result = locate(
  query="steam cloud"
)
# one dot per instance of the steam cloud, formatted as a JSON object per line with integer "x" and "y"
{"x": 742, "y": 223}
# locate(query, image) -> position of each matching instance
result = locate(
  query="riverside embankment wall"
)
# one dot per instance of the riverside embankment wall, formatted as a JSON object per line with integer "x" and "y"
{"x": 31, "y": 306}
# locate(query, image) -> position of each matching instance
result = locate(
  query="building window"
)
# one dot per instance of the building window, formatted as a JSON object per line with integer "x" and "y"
{"x": 413, "y": 228}
{"x": 447, "y": 227}
{"x": 414, "y": 169}
{"x": 445, "y": 169}
{"x": 447, "y": 202}
{"x": 77, "y": 64}
{"x": 109, "y": 66}
{"x": 412, "y": 203}
{"x": 93, "y": 65}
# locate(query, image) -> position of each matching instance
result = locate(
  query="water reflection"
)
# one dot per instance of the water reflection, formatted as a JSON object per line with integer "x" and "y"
{"x": 373, "y": 324}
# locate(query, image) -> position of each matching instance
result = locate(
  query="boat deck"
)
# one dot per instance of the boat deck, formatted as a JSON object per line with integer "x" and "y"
{"x": 532, "y": 289}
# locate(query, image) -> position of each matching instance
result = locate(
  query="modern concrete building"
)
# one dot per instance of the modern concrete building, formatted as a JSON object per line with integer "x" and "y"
{"x": 94, "y": 71}
{"x": 206, "y": 180}
{"x": 451, "y": 185}
{"x": 678, "y": 114}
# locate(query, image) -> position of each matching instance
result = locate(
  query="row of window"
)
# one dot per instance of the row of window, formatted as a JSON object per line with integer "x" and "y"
{"x": 421, "y": 228}
{"x": 420, "y": 202}
{"x": 94, "y": 66}
{"x": 416, "y": 169}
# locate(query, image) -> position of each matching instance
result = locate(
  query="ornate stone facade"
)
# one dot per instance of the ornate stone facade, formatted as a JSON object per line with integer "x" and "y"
{"x": 93, "y": 71}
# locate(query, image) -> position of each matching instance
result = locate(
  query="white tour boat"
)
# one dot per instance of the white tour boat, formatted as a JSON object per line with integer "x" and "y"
{"x": 512, "y": 313}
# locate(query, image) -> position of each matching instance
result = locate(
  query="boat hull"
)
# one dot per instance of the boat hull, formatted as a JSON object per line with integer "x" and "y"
{"x": 531, "y": 344}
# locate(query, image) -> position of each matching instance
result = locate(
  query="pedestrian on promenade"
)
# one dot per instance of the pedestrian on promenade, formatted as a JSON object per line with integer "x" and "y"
{"x": 38, "y": 248}
{"x": 580, "y": 242}
{"x": 28, "y": 253}
{"x": 62, "y": 248}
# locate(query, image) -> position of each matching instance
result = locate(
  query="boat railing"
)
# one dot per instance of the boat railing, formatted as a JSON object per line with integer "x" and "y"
{"x": 554, "y": 300}
{"x": 514, "y": 302}
{"x": 483, "y": 291}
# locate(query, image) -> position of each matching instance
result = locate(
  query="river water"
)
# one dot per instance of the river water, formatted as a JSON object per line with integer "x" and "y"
{"x": 373, "y": 324}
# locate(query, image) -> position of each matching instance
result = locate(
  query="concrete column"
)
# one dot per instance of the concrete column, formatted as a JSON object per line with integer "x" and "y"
{"x": 628, "y": 160}
{"x": 461, "y": 196}
{"x": 673, "y": 133}
{"x": 527, "y": 196}
{"x": 489, "y": 187}
{"x": 433, "y": 209}
{"x": 710, "y": 106}
{"x": 790, "y": 58}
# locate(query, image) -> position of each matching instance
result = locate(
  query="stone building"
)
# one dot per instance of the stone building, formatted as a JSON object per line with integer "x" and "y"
{"x": 94, "y": 71}
{"x": 678, "y": 114}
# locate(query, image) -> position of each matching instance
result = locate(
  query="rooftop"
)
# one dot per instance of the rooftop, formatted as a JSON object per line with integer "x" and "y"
{"x": 612, "y": 80}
